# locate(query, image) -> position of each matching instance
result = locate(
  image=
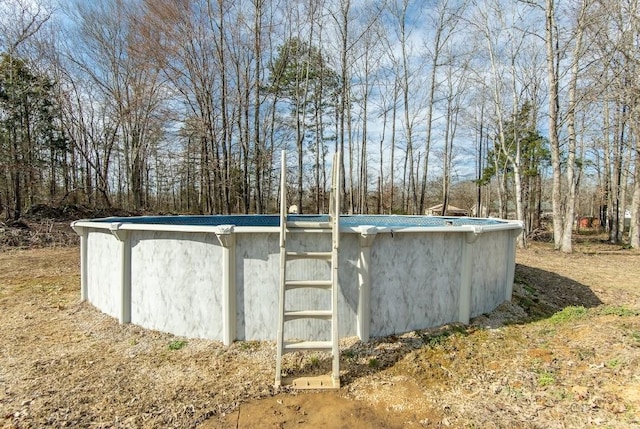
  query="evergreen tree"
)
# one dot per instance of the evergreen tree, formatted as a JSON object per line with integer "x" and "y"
{"x": 31, "y": 143}
{"x": 534, "y": 156}
{"x": 300, "y": 77}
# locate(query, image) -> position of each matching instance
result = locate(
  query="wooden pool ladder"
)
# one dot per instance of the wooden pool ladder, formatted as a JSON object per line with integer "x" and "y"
{"x": 284, "y": 343}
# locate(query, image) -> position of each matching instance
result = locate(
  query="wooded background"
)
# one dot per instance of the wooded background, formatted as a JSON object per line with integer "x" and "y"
{"x": 506, "y": 108}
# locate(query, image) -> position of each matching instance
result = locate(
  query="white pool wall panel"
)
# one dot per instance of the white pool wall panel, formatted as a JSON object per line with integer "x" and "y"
{"x": 175, "y": 283}
{"x": 415, "y": 281}
{"x": 103, "y": 271}
{"x": 493, "y": 260}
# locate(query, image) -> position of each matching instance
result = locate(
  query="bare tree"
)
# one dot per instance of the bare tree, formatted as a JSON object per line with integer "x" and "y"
{"x": 390, "y": 104}
{"x": 367, "y": 64}
{"x": 128, "y": 78}
{"x": 402, "y": 14}
{"x": 456, "y": 84}
{"x": 502, "y": 33}
{"x": 572, "y": 169}
{"x": 446, "y": 16}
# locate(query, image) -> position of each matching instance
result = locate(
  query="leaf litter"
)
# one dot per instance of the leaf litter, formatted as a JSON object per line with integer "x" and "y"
{"x": 564, "y": 352}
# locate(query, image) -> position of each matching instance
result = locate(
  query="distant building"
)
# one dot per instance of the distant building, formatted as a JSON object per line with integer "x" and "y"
{"x": 451, "y": 211}
{"x": 483, "y": 212}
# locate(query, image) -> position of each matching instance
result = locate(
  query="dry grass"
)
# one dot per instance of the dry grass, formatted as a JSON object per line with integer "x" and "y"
{"x": 568, "y": 356}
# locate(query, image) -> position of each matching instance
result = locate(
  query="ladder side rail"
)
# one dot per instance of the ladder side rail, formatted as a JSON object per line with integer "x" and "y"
{"x": 283, "y": 197}
{"x": 334, "y": 268}
{"x": 283, "y": 267}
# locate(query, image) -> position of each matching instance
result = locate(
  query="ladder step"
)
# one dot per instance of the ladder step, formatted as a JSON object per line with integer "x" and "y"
{"x": 318, "y": 382}
{"x": 307, "y": 314}
{"x": 319, "y": 284}
{"x": 308, "y": 230}
{"x": 309, "y": 255}
{"x": 307, "y": 345}
{"x": 295, "y": 225}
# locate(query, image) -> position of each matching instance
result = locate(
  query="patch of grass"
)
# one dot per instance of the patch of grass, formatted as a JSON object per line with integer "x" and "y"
{"x": 459, "y": 329}
{"x": 440, "y": 338}
{"x": 437, "y": 340}
{"x": 569, "y": 314}
{"x": 349, "y": 354}
{"x": 249, "y": 345}
{"x": 525, "y": 303}
{"x": 635, "y": 335}
{"x": 619, "y": 311}
{"x": 177, "y": 344}
{"x": 546, "y": 379}
{"x": 613, "y": 363}
{"x": 373, "y": 363}
{"x": 314, "y": 360}
{"x": 519, "y": 279}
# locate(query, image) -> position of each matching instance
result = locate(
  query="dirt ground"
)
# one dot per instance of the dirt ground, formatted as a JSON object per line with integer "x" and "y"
{"x": 564, "y": 353}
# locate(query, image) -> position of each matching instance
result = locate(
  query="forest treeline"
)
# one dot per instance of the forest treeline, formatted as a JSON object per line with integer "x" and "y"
{"x": 506, "y": 108}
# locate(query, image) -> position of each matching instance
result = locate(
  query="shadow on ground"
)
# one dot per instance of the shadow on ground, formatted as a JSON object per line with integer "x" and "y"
{"x": 545, "y": 293}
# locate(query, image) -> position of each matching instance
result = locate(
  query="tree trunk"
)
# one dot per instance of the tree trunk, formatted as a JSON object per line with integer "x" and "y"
{"x": 554, "y": 141}
{"x": 634, "y": 228}
{"x": 615, "y": 235}
{"x": 393, "y": 146}
{"x": 571, "y": 168}
{"x": 429, "y": 119}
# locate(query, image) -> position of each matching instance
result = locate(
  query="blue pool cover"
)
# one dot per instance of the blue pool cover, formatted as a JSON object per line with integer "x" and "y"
{"x": 388, "y": 221}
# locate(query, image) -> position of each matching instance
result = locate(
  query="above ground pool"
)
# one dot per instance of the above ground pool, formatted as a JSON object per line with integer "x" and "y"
{"x": 217, "y": 277}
